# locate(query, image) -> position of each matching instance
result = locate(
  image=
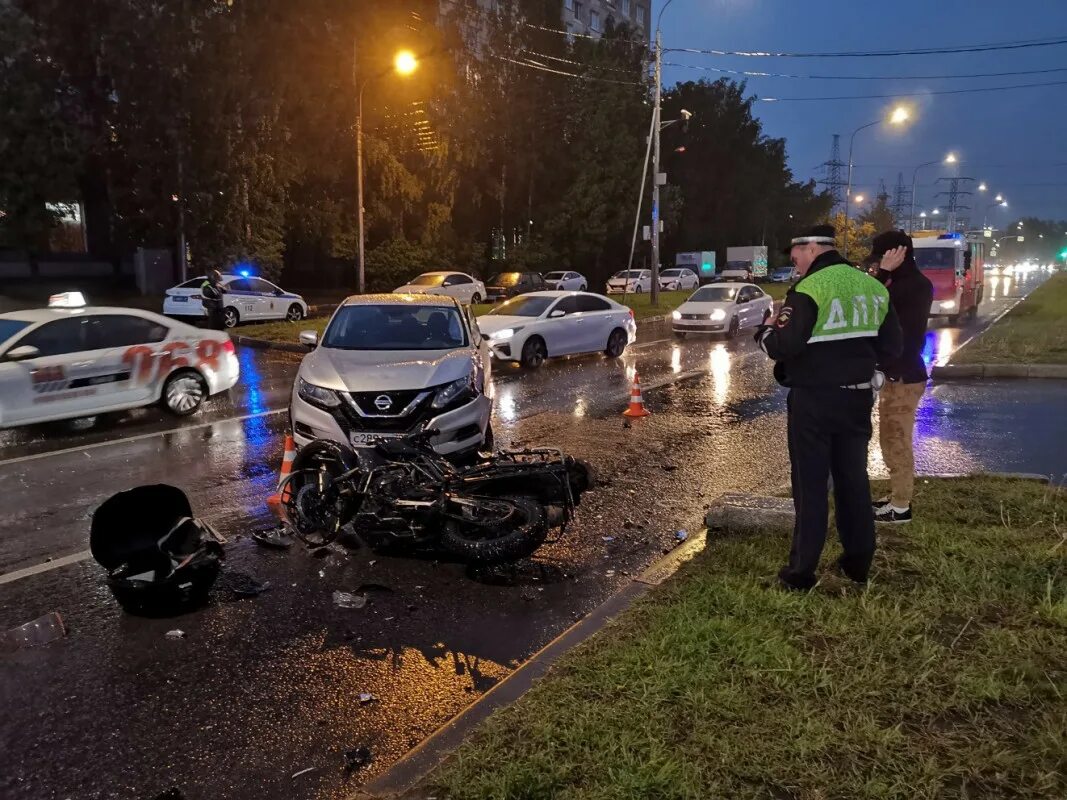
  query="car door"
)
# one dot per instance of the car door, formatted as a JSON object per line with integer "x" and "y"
{"x": 691, "y": 279}
{"x": 54, "y": 383}
{"x": 267, "y": 303}
{"x": 135, "y": 358}
{"x": 238, "y": 293}
{"x": 562, "y": 334}
{"x": 598, "y": 319}
{"x": 761, "y": 302}
{"x": 457, "y": 286}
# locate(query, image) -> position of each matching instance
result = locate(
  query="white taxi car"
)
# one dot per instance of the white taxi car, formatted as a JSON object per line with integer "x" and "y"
{"x": 459, "y": 285}
{"x": 678, "y": 279}
{"x": 722, "y": 308}
{"x": 630, "y": 281}
{"x": 80, "y": 361}
{"x": 245, "y": 298}
{"x": 538, "y": 325}
{"x": 566, "y": 280}
{"x": 388, "y": 364}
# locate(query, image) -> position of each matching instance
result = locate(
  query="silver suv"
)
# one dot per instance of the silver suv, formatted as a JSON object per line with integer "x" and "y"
{"x": 389, "y": 363}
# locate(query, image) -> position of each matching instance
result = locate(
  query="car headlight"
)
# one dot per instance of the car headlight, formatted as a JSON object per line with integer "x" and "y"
{"x": 316, "y": 395}
{"x": 717, "y": 314}
{"x": 503, "y": 333}
{"x": 676, "y": 314}
{"x": 455, "y": 390}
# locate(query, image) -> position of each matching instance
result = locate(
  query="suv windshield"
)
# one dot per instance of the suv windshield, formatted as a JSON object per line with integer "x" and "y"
{"x": 524, "y": 306}
{"x": 429, "y": 279}
{"x": 395, "y": 327}
{"x": 505, "y": 279}
{"x": 935, "y": 257}
{"x": 633, "y": 273}
{"x": 714, "y": 294}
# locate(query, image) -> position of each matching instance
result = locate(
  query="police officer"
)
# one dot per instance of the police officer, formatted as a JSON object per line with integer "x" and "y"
{"x": 835, "y": 324}
{"x": 211, "y": 297}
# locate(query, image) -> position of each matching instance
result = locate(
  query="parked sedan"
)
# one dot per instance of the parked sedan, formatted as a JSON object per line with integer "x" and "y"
{"x": 389, "y": 364}
{"x": 245, "y": 299}
{"x": 782, "y": 275}
{"x": 632, "y": 281}
{"x": 79, "y": 361}
{"x": 677, "y": 279}
{"x": 533, "y": 327}
{"x": 459, "y": 285}
{"x": 566, "y": 281}
{"x": 722, "y": 308}
{"x": 509, "y": 284}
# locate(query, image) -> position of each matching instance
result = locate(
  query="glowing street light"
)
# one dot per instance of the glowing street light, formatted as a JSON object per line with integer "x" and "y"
{"x": 951, "y": 158}
{"x": 981, "y": 187}
{"x": 405, "y": 62}
{"x": 859, "y": 198}
{"x": 898, "y": 116}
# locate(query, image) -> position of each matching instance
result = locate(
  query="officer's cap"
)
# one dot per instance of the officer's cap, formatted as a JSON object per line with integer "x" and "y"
{"x": 818, "y": 234}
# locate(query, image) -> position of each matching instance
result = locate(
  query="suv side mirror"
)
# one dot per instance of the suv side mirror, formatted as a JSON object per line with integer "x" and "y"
{"x": 22, "y": 352}
{"x": 310, "y": 339}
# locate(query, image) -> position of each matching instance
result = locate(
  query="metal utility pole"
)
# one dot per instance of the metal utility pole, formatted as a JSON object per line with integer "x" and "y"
{"x": 833, "y": 182}
{"x": 656, "y": 111}
{"x": 900, "y": 201}
{"x": 954, "y": 193}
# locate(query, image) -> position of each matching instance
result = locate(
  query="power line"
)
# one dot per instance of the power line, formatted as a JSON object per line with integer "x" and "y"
{"x": 544, "y": 68}
{"x": 754, "y": 74}
{"x": 581, "y": 63}
{"x": 975, "y": 48}
{"x": 912, "y": 94}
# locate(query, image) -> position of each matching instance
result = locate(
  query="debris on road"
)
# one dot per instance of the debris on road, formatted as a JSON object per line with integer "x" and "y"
{"x": 177, "y": 633}
{"x": 670, "y": 467}
{"x": 244, "y": 585}
{"x": 365, "y": 698}
{"x": 681, "y": 535}
{"x": 302, "y": 772}
{"x": 357, "y": 759}
{"x": 349, "y": 600}
{"x": 607, "y": 538}
{"x": 42, "y": 630}
{"x": 278, "y": 538}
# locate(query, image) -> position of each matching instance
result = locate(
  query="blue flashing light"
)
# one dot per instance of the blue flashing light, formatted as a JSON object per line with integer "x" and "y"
{"x": 950, "y": 236}
{"x": 244, "y": 273}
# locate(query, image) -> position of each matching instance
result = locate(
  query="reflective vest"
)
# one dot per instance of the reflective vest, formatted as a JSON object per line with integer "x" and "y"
{"x": 851, "y": 303}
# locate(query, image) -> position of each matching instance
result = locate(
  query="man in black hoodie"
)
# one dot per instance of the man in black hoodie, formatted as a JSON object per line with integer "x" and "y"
{"x": 910, "y": 294}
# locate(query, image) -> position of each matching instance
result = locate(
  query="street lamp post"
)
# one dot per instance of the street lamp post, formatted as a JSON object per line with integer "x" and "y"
{"x": 656, "y": 128}
{"x": 949, "y": 159}
{"x": 899, "y": 116}
{"x": 998, "y": 201}
{"x": 404, "y": 63}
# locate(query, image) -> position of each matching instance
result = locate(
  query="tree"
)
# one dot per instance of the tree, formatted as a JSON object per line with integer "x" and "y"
{"x": 860, "y": 234}
{"x": 880, "y": 216}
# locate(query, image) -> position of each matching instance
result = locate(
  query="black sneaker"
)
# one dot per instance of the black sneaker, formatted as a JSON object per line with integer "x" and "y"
{"x": 878, "y": 505}
{"x": 891, "y": 514}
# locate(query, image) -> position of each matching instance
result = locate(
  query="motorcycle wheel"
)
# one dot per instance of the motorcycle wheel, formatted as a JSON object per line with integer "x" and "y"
{"x": 317, "y": 517}
{"x": 519, "y": 535}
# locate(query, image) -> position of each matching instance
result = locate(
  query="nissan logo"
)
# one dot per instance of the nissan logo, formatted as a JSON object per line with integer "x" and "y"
{"x": 383, "y": 402}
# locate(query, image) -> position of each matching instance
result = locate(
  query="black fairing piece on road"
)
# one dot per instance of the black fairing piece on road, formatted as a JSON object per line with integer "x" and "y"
{"x": 498, "y": 509}
{"x": 160, "y": 560}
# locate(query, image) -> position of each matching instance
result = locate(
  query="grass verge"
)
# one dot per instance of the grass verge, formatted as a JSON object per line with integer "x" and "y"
{"x": 946, "y": 678}
{"x": 1034, "y": 332}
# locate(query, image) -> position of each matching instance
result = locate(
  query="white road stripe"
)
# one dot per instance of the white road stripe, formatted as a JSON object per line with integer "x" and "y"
{"x": 47, "y": 566}
{"x": 139, "y": 437}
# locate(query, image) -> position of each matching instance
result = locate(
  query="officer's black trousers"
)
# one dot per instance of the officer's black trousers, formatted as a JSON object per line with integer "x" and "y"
{"x": 829, "y": 431}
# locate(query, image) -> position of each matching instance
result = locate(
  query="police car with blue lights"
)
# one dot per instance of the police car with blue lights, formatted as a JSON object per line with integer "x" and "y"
{"x": 245, "y": 298}
{"x": 72, "y": 360}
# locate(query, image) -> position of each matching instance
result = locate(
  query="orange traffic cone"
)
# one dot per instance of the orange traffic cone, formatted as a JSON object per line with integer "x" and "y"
{"x": 637, "y": 403}
{"x": 275, "y": 501}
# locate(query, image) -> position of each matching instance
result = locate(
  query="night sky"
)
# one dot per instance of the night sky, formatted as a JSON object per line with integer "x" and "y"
{"x": 1013, "y": 140}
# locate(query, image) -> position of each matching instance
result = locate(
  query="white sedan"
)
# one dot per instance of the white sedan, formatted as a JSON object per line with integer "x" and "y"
{"x": 245, "y": 298}
{"x": 566, "y": 281}
{"x": 65, "y": 363}
{"x": 722, "y": 308}
{"x": 632, "y": 281}
{"x": 678, "y": 279}
{"x": 459, "y": 285}
{"x": 540, "y": 325}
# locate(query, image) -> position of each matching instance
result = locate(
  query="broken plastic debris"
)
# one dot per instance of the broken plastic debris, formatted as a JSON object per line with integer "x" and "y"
{"x": 681, "y": 536}
{"x": 38, "y": 631}
{"x": 357, "y": 758}
{"x": 244, "y": 585}
{"x": 303, "y": 772}
{"x": 610, "y": 573}
{"x": 608, "y": 538}
{"x": 349, "y": 600}
{"x": 177, "y": 633}
{"x": 366, "y": 697}
{"x": 277, "y": 538}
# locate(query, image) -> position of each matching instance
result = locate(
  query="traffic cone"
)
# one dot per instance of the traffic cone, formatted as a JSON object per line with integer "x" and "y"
{"x": 276, "y": 500}
{"x": 637, "y": 403}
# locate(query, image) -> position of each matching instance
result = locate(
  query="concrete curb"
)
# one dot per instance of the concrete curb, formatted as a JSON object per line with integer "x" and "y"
{"x": 951, "y": 372}
{"x": 420, "y": 761}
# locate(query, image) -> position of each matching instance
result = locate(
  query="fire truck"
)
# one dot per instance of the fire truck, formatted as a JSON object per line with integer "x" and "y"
{"x": 955, "y": 265}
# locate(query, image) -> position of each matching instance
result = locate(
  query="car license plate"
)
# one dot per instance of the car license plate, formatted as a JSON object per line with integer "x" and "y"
{"x": 180, "y": 299}
{"x": 368, "y": 439}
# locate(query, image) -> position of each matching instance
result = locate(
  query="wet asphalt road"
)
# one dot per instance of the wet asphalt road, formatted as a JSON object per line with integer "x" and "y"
{"x": 263, "y": 688}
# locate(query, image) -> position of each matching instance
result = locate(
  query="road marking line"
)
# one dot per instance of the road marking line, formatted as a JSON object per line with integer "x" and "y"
{"x": 637, "y": 345}
{"x": 47, "y": 566}
{"x": 138, "y": 437}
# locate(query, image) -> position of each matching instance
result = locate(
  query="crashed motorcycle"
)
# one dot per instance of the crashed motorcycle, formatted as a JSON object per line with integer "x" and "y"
{"x": 498, "y": 509}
